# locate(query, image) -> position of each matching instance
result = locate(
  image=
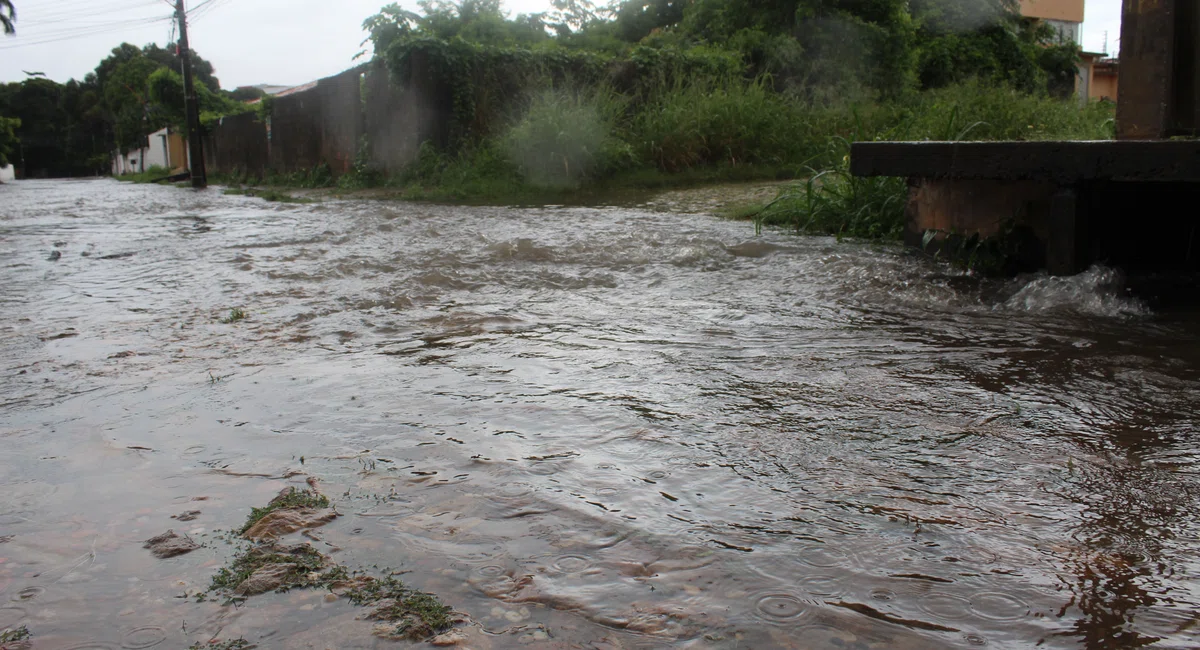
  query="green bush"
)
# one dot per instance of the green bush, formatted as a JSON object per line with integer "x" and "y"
{"x": 568, "y": 137}
{"x": 152, "y": 173}
{"x": 718, "y": 122}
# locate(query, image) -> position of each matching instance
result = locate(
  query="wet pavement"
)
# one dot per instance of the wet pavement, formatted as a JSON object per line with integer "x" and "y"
{"x": 628, "y": 426}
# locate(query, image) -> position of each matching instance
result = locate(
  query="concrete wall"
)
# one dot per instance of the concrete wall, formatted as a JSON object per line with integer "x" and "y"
{"x": 1104, "y": 82}
{"x": 237, "y": 145}
{"x": 1066, "y": 10}
{"x": 325, "y": 123}
{"x": 399, "y": 119}
{"x": 322, "y": 125}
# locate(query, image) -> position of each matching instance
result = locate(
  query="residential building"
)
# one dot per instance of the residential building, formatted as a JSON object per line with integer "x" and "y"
{"x": 164, "y": 148}
{"x": 1097, "y": 77}
{"x": 1065, "y": 16}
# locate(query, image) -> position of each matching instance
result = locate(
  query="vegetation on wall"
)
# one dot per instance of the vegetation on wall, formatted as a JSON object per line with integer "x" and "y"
{"x": 581, "y": 96}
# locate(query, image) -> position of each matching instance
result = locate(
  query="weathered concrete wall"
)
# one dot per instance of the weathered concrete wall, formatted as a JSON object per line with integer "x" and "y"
{"x": 341, "y": 119}
{"x": 238, "y": 144}
{"x": 400, "y": 119}
{"x": 321, "y": 125}
{"x": 1068, "y": 10}
{"x": 325, "y": 124}
{"x": 295, "y": 132}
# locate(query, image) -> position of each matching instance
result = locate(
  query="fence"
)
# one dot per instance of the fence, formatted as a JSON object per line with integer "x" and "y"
{"x": 327, "y": 122}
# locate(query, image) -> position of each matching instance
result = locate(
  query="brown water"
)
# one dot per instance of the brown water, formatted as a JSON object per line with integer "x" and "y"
{"x": 609, "y": 427}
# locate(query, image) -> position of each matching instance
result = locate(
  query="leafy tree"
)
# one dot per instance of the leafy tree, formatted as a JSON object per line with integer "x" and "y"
{"x": 475, "y": 21}
{"x": 8, "y": 16}
{"x": 202, "y": 70}
{"x": 165, "y": 92}
{"x": 126, "y": 94}
{"x": 246, "y": 94}
{"x": 8, "y": 138}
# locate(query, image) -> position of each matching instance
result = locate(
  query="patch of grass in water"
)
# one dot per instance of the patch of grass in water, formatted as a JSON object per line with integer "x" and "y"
{"x": 236, "y": 644}
{"x": 14, "y": 635}
{"x": 236, "y": 314}
{"x": 152, "y": 173}
{"x": 305, "y": 559}
{"x": 274, "y": 196}
{"x": 293, "y": 498}
{"x": 281, "y": 197}
{"x": 417, "y": 615}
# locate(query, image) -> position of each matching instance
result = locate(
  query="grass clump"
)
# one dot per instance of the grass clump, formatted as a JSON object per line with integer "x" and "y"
{"x": 152, "y": 173}
{"x": 16, "y": 635}
{"x": 831, "y": 201}
{"x": 270, "y": 195}
{"x": 417, "y": 615}
{"x": 302, "y": 561}
{"x": 292, "y": 498}
{"x": 236, "y": 644}
{"x": 568, "y": 137}
{"x": 236, "y": 314}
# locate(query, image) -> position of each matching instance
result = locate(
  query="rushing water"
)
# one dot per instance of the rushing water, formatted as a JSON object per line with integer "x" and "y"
{"x": 611, "y": 427}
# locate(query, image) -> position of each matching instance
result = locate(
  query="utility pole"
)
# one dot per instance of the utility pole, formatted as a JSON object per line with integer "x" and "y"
{"x": 190, "y": 104}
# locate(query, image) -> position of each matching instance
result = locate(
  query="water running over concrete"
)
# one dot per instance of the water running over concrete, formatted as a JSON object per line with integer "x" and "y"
{"x": 612, "y": 427}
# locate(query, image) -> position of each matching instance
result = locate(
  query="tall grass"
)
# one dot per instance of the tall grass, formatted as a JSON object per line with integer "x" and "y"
{"x": 832, "y": 201}
{"x": 717, "y": 122}
{"x": 568, "y": 140}
{"x": 568, "y": 137}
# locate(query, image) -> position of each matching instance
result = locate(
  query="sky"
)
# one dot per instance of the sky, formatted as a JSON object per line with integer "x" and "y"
{"x": 252, "y": 42}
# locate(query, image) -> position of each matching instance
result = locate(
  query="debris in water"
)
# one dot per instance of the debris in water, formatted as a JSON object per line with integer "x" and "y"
{"x": 15, "y": 638}
{"x": 289, "y": 512}
{"x": 453, "y": 637}
{"x": 409, "y": 614}
{"x": 276, "y": 568}
{"x": 236, "y": 644}
{"x": 190, "y": 515}
{"x": 169, "y": 545}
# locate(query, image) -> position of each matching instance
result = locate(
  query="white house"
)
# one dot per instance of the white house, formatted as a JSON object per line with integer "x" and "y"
{"x": 164, "y": 148}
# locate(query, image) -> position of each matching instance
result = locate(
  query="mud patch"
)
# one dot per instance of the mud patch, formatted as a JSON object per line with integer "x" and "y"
{"x": 169, "y": 544}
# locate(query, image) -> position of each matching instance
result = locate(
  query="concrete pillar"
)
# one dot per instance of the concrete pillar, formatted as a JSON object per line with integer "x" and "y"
{"x": 1160, "y": 69}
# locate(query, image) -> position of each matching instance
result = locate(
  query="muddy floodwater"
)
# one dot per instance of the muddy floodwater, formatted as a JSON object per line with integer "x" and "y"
{"x": 636, "y": 426}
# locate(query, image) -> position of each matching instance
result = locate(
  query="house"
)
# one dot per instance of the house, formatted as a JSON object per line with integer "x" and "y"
{"x": 1097, "y": 77}
{"x": 164, "y": 148}
{"x": 1065, "y": 16}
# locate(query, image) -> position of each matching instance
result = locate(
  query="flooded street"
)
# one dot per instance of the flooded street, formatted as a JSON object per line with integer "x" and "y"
{"x": 610, "y": 427}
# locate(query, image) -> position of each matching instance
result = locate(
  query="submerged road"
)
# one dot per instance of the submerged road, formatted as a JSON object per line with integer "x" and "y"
{"x": 601, "y": 427}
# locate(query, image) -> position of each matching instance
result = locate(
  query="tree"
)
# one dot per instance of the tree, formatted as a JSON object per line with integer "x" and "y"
{"x": 8, "y": 17}
{"x": 168, "y": 57}
{"x": 8, "y": 138}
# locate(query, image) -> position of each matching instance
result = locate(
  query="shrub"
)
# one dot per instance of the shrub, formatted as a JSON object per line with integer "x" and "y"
{"x": 567, "y": 137}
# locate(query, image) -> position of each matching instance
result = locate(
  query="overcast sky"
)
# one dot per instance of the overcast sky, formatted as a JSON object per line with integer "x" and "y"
{"x": 252, "y": 42}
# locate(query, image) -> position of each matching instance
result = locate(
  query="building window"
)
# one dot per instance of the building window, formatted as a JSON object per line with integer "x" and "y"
{"x": 1067, "y": 31}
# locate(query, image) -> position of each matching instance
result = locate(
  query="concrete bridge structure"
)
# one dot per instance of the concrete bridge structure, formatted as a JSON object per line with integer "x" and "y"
{"x": 1132, "y": 202}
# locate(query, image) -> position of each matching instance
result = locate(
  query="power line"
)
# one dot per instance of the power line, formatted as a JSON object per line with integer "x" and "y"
{"x": 209, "y": 7}
{"x": 83, "y": 32}
{"x": 93, "y": 26}
{"x": 90, "y": 10}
